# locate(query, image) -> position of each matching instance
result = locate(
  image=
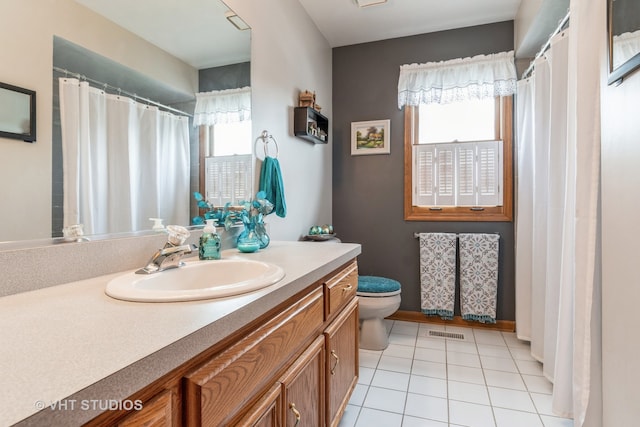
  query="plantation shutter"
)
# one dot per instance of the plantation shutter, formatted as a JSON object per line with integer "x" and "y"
{"x": 458, "y": 174}
{"x": 434, "y": 171}
{"x": 489, "y": 159}
{"x": 445, "y": 175}
{"x": 228, "y": 179}
{"x": 424, "y": 175}
{"x": 466, "y": 173}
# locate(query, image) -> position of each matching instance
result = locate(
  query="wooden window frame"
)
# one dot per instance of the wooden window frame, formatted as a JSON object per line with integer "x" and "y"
{"x": 504, "y": 213}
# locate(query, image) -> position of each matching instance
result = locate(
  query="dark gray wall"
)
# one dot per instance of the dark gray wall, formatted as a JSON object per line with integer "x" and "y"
{"x": 626, "y": 16}
{"x": 368, "y": 190}
{"x": 225, "y": 77}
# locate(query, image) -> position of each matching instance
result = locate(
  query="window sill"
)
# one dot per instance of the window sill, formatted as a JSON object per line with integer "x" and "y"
{"x": 423, "y": 213}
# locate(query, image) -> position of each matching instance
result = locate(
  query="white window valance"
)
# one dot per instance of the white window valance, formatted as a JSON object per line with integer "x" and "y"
{"x": 479, "y": 77}
{"x": 625, "y": 46}
{"x": 222, "y": 106}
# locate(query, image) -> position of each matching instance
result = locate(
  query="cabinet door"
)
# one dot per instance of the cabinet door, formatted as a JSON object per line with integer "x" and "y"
{"x": 219, "y": 391}
{"x": 155, "y": 413}
{"x": 266, "y": 412}
{"x": 341, "y": 338}
{"x": 303, "y": 388}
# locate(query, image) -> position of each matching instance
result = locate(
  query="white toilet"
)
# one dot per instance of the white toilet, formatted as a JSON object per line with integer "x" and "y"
{"x": 378, "y": 297}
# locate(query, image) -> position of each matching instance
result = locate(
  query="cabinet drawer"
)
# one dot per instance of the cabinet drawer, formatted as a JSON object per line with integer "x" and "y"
{"x": 155, "y": 413}
{"x": 217, "y": 392}
{"x": 340, "y": 289}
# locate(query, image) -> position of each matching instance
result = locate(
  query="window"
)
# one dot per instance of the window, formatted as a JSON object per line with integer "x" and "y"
{"x": 458, "y": 160}
{"x": 458, "y": 174}
{"x": 226, "y": 163}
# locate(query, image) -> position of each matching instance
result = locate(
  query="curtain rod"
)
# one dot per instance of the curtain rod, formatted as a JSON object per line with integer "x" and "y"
{"x": 121, "y": 91}
{"x": 559, "y": 28}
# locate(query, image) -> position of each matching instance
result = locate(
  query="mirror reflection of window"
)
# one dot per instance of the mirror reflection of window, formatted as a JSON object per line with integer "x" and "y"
{"x": 226, "y": 139}
{"x": 625, "y": 29}
{"x": 228, "y": 163}
{"x": 625, "y": 47}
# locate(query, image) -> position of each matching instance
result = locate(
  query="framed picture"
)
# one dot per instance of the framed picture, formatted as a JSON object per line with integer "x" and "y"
{"x": 17, "y": 113}
{"x": 370, "y": 137}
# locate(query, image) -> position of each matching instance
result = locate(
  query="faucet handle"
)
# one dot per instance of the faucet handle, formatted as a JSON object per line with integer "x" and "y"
{"x": 177, "y": 234}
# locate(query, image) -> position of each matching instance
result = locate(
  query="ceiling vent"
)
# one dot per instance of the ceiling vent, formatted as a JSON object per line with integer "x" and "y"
{"x": 367, "y": 3}
{"x": 236, "y": 20}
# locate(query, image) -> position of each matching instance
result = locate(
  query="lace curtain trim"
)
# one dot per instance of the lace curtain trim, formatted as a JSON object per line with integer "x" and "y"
{"x": 222, "y": 106}
{"x": 479, "y": 77}
{"x": 625, "y": 46}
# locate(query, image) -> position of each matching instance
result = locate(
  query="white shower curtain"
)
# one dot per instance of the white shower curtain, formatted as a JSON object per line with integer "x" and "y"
{"x": 557, "y": 252}
{"x": 542, "y": 133}
{"x": 124, "y": 162}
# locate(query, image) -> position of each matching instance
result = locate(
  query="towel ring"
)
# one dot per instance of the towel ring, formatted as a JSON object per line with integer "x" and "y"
{"x": 266, "y": 139}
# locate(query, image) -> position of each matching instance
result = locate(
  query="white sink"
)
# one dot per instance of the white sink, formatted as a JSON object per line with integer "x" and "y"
{"x": 195, "y": 281}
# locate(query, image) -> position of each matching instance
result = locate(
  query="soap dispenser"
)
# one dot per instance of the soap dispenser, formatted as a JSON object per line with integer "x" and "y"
{"x": 157, "y": 225}
{"x": 209, "y": 242}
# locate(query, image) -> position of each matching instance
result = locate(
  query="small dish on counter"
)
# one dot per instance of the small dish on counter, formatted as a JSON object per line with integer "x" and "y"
{"x": 319, "y": 237}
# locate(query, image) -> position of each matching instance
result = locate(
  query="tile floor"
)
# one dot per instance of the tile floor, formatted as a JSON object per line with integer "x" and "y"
{"x": 488, "y": 379}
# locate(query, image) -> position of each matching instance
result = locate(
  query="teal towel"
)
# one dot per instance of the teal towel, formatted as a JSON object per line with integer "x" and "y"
{"x": 271, "y": 184}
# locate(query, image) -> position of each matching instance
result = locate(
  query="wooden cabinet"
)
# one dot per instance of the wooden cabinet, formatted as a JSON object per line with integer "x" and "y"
{"x": 297, "y": 365}
{"x": 341, "y": 338}
{"x": 310, "y": 125}
{"x": 267, "y": 412}
{"x": 303, "y": 388}
{"x": 155, "y": 413}
{"x": 340, "y": 289}
{"x": 218, "y": 391}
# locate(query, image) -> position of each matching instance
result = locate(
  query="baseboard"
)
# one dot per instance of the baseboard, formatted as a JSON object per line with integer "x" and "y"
{"x": 416, "y": 316}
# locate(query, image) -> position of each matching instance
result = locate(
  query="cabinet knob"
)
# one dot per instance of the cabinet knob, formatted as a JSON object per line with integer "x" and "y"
{"x": 347, "y": 288}
{"x": 333, "y": 369}
{"x": 295, "y": 411}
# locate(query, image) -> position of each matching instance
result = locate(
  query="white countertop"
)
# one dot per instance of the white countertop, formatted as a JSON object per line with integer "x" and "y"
{"x": 72, "y": 343}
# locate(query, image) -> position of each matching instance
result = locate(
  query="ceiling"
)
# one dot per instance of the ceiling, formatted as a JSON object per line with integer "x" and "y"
{"x": 343, "y": 23}
{"x": 199, "y": 34}
{"x": 193, "y": 33}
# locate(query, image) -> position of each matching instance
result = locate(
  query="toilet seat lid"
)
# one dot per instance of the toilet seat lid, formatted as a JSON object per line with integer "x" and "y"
{"x": 377, "y": 286}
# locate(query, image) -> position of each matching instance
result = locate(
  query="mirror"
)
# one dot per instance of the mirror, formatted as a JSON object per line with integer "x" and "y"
{"x": 183, "y": 31}
{"x": 624, "y": 38}
{"x": 17, "y": 113}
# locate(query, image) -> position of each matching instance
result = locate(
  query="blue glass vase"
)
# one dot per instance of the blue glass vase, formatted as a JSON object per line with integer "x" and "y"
{"x": 253, "y": 237}
{"x": 263, "y": 237}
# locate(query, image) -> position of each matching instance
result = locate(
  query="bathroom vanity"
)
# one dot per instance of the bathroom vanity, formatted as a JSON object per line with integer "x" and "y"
{"x": 283, "y": 355}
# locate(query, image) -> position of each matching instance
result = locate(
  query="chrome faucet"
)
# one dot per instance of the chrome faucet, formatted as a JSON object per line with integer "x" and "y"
{"x": 170, "y": 256}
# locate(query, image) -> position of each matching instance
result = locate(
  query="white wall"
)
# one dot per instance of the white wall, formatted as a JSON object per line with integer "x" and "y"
{"x": 620, "y": 157}
{"x": 524, "y": 20}
{"x": 288, "y": 54}
{"x": 534, "y": 22}
{"x": 27, "y": 28}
